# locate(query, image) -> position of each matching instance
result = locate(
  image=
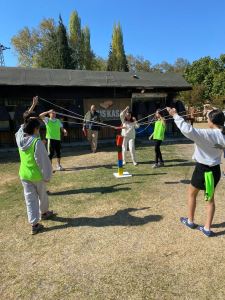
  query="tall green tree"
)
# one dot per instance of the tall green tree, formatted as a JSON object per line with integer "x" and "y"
{"x": 75, "y": 39}
{"x": 64, "y": 52}
{"x": 86, "y": 52}
{"x": 117, "y": 60}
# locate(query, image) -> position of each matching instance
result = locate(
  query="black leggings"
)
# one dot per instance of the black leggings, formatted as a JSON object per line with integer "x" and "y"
{"x": 54, "y": 146}
{"x": 158, "y": 154}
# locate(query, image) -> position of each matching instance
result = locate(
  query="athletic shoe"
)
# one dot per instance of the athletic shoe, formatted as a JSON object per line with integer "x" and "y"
{"x": 135, "y": 163}
{"x": 185, "y": 222}
{"x": 49, "y": 214}
{"x": 124, "y": 162}
{"x": 155, "y": 166}
{"x": 208, "y": 233}
{"x": 36, "y": 228}
{"x": 59, "y": 168}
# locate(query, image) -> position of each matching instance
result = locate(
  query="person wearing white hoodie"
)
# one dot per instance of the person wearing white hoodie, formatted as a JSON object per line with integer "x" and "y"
{"x": 35, "y": 171}
{"x": 209, "y": 146}
{"x": 129, "y": 124}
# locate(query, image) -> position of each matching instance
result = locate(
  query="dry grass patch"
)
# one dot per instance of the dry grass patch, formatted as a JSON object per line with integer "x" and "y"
{"x": 113, "y": 239}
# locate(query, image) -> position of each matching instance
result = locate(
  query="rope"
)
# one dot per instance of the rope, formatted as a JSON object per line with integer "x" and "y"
{"x": 70, "y": 111}
{"x": 152, "y": 114}
{"x": 143, "y": 129}
{"x": 95, "y": 122}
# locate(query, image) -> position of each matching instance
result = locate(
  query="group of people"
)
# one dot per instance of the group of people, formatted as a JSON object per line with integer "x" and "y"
{"x": 36, "y": 169}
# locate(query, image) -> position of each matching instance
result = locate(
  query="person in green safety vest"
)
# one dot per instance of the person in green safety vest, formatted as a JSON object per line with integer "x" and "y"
{"x": 158, "y": 136}
{"x": 53, "y": 135}
{"x": 35, "y": 170}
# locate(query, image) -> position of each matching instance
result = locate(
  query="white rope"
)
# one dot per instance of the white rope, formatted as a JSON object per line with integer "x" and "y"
{"x": 143, "y": 129}
{"x": 70, "y": 111}
{"x": 151, "y": 114}
{"x": 95, "y": 122}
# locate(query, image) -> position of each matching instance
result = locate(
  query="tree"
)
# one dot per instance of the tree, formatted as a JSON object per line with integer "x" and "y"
{"x": 48, "y": 57}
{"x": 64, "y": 53}
{"x": 194, "y": 97}
{"x": 163, "y": 67}
{"x": 180, "y": 65}
{"x": 117, "y": 58}
{"x": 138, "y": 63}
{"x": 27, "y": 44}
{"x": 87, "y": 54}
{"x": 75, "y": 39}
{"x": 99, "y": 63}
{"x": 111, "y": 63}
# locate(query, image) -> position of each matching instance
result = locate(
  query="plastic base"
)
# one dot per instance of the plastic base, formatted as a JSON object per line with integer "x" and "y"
{"x": 125, "y": 174}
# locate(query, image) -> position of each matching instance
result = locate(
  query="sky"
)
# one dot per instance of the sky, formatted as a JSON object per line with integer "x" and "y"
{"x": 160, "y": 30}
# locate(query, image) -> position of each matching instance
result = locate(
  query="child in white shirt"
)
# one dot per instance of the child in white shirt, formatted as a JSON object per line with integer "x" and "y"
{"x": 129, "y": 124}
{"x": 209, "y": 146}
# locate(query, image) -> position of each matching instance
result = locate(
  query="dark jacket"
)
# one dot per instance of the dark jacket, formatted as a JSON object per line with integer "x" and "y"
{"x": 89, "y": 118}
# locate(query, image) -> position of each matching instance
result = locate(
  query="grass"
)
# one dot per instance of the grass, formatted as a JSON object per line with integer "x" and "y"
{"x": 112, "y": 238}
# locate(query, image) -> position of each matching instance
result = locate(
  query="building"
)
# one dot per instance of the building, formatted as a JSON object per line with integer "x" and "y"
{"x": 76, "y": 90}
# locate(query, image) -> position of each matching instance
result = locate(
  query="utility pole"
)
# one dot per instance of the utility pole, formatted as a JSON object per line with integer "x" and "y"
{"x": 2, "y": 61}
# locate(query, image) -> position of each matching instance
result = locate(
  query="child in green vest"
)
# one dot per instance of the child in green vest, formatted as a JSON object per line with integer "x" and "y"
{"x": 158, "y": 137}
{"x": 35, "y": 171}
{"x": 53, "y": 135}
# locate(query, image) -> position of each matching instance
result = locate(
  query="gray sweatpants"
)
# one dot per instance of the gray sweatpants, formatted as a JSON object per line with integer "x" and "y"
{"x": 36, "y": 199}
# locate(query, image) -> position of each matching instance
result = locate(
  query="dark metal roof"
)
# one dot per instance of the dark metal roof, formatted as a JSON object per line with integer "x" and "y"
{"x": 15, "y": 76}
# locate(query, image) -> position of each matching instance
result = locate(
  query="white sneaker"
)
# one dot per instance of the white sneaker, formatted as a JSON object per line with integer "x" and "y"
{"x": 124, "y": 162}
{"x": 155, "y": 166}
{"x": 135, "y": 163}
{"x": 59, "y": 168}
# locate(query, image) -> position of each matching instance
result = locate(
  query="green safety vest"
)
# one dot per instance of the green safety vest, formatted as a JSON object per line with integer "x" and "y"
{"x": 159, "y": 131}
{"x": 53, "y": 130}
{"x": 29, "y": 169}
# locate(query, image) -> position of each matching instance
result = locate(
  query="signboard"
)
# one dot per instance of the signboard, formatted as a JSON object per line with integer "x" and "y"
{"x": 109, "y": 109}
{"x": 148, "y": 96}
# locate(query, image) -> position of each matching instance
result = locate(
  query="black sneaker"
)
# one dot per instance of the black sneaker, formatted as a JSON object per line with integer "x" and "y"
{"x": 36, "y": 228}
{"x": 48, "y": 215}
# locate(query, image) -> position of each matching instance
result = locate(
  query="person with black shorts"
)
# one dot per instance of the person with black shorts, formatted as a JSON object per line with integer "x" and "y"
{"x": 209, "y": 146}
{"x": 53, "y": 135}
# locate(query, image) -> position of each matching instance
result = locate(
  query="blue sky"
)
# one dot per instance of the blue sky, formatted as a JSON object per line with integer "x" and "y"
{"x": 158, "y": 30}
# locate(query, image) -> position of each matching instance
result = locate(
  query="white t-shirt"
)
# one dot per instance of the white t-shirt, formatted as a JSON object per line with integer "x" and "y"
{"x": 129, "y": 130}
{"x": 209, "y": 143}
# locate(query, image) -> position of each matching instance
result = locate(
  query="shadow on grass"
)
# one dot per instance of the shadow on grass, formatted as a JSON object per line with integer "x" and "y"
{"x": 120, "y": 218}
{"x": 219, "y": 225}
{"x": 165, "y": 161}
{"x": 184, "y": 164}
{"x": 101, "y": 189}
{"x": 177, "y": 163}
{"x": 183, "y": 181}
{"x": 152, "y": 174}
{"x": 109, "y": 166}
